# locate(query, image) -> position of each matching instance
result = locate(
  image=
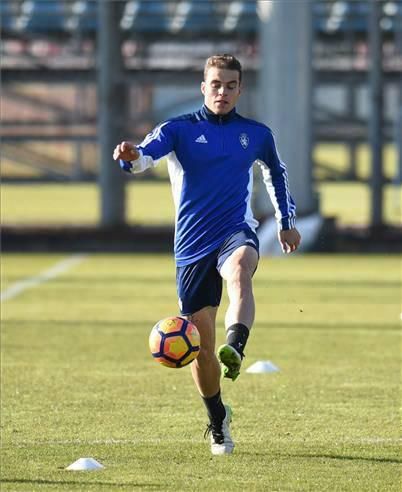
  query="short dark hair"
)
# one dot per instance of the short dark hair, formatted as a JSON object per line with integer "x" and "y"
{"x": 225, "y": 61}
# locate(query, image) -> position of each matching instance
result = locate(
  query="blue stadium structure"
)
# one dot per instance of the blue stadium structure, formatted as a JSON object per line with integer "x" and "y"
{"x": 194, "y": 17}
{"x": 55, "y": 42}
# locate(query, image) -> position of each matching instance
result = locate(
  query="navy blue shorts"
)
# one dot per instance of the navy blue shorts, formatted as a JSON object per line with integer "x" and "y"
{"x": 200, "y": 284}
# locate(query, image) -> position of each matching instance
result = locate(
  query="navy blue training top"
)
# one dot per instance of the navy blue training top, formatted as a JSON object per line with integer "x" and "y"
{"x": 210, "y": 162}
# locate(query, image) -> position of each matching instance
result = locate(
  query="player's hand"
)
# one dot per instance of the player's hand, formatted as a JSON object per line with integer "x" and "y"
{"x": 290, "y": 240}
{"x": 126, "y": 151}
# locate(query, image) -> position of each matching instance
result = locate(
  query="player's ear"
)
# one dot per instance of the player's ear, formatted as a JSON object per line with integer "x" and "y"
{"x": 203, "y": 87}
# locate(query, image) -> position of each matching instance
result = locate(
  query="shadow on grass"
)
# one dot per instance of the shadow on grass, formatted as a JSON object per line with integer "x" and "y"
{"x": 82, "y": 483}
{"x": 330, "y": 457}
{"x": 350, "y": 458}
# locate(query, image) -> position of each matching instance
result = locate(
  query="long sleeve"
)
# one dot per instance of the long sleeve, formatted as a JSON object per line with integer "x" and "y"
{"x": 275, "y": 178}
{"x": 155, "y": 146}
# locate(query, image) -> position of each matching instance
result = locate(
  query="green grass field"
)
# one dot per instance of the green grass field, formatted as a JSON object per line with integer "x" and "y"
{"x": 78, "y": 379}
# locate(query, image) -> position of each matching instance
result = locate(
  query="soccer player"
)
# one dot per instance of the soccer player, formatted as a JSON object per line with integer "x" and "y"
{"x": 210, "y": 156}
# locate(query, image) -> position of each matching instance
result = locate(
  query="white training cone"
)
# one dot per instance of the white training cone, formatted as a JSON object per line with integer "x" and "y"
{"x": 262, "y": 366}
{"x": 85, "y": 464}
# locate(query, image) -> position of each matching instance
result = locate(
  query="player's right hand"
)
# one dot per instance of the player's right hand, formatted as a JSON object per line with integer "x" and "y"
{"x": 289, "y": 240}
{"x": 126, "y": 151}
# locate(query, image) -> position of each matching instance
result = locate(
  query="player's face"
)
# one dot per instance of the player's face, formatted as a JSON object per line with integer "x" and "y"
{"x": 221, "y": 89}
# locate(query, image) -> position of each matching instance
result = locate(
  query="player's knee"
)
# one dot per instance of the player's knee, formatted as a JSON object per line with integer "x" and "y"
{"x": 206, "y": 356}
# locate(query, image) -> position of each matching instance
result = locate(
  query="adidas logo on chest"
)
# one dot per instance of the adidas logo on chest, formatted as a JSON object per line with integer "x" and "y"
{"x": 201, "y": 139}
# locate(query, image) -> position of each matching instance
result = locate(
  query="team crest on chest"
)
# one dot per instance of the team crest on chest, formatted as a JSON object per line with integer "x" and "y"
{"x": 244, "y": 140}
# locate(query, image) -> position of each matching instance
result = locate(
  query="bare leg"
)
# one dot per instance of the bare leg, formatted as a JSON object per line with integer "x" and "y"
{"x": 205, "y": 369}
{"x": 206, "y": 373}
{"x": 238, "y": 271}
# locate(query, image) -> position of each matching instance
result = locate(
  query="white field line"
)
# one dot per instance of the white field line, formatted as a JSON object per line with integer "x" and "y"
{"x": 31, "y": 282}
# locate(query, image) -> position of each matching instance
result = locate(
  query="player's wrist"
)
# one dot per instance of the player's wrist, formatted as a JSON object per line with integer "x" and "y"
{"x": 136, "y": 154}
{"x": 125, "y": 165}
{"x": 287, "y": 223}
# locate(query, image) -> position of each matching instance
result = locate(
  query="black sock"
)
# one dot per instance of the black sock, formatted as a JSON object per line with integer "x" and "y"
{"x": 237, "y": 335}
{"x": 215, "y": 408}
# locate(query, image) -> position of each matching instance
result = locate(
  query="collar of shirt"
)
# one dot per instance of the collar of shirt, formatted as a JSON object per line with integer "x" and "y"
{"x": 207, "y": 114}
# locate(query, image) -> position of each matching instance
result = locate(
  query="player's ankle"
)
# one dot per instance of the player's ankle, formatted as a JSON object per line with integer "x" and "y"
{"x": 236, "y": 336}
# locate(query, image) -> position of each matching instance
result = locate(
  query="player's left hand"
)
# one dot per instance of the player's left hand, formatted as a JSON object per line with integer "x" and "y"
{"x": 290, "y": 240}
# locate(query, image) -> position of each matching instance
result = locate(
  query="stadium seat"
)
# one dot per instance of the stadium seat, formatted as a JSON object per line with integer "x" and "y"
{"x": 42, "y": 16}
{"x": 248, "y": 20}
{"x": 8, "y": 12}
{"x": 184, "y": 16}
{"x": 201, "y": 16}
{"x": 84, "y": 15}
{"x": 145, "y": 16}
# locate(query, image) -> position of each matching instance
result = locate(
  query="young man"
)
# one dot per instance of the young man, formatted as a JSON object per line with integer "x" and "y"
{"x": 210, "y": 155}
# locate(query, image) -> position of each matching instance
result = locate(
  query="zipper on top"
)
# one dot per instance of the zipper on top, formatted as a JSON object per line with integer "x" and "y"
{"x": 220, "y": 119}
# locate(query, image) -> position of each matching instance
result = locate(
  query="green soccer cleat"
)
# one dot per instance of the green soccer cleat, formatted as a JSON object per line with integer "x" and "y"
{"x": 230, "y": 359}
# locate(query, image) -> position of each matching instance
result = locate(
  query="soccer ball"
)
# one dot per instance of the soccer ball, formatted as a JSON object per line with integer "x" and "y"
{"x": 174, "y": 342}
